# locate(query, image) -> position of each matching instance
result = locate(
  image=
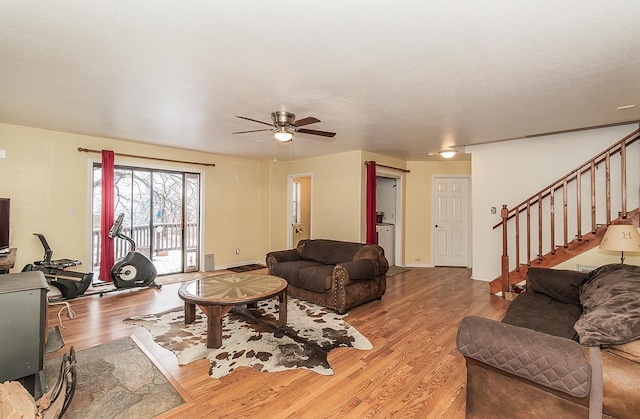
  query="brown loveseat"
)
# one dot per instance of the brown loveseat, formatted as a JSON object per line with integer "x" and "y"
{"x": 537, "y": 361}
{"x": 335, "y": 274}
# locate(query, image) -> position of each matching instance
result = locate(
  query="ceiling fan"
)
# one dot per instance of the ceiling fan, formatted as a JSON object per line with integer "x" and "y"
{"x": 284, "y": 125}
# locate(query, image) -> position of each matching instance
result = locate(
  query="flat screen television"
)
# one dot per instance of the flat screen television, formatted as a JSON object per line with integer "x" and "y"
{"x": 5, "y": 226}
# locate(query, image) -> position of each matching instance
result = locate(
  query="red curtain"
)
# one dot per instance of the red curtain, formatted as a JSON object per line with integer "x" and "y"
{"x": 372, "y": 237}
{"x": 106, "y": 243}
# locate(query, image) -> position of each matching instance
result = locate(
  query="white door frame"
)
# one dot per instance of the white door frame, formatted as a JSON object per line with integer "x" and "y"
{"x": 433, "y": 215}
{"x": 289, "y": 231}
{"x": 399, "y": 224}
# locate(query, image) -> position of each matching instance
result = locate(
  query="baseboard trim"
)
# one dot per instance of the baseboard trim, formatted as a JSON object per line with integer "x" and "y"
{"x": 419, "y": 265}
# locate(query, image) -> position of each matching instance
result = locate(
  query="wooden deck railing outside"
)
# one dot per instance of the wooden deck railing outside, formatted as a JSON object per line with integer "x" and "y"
{"x": 166, "y": 236}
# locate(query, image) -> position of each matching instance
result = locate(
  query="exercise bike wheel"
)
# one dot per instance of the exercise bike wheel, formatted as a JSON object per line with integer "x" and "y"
{"x": 128, "y": 273}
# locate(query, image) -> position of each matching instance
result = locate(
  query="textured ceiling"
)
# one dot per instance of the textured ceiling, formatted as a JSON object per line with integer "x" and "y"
{"x": 396, "y": 78}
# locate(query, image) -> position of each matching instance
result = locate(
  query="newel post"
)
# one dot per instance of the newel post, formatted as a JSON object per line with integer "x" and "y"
{"x": 504, "y": 213}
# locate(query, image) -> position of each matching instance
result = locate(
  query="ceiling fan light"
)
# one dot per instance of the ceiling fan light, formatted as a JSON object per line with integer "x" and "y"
{"x": 447, "y": 154}
{"x": 283, "y": 135}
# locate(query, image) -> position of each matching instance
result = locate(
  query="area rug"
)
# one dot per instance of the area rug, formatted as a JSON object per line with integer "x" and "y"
{"x": 54, "y": 340}
{"x": 116, "y": 380}
{"x": 246, "y": 268}
{"x": 250, "y": 338}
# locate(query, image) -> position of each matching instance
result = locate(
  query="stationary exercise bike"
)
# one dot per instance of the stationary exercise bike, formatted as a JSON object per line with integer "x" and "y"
{"x": 135, "y": 269}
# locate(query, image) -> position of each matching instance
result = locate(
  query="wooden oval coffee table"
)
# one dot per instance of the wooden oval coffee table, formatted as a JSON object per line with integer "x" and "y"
{"x": 216, "y": 295}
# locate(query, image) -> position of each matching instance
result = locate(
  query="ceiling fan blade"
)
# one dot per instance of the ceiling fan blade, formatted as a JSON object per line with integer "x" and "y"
{"x": 254, "y": 130}
{"x": 316, "y": 132}
{"x": 305, "y": 121}
{"x": 254, "y": 120}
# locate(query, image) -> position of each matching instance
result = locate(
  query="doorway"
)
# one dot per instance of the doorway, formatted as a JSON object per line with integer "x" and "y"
{"x": 161, "y": 214}
{"x": 451, "y": 221}
{"x": 390, "y": 199}
{"x": 299, "y": 209}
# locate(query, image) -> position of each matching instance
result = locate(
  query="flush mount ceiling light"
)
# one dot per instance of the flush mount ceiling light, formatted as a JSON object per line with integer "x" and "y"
{"x": 283, "y": 135}
{"x": 447, "y": 154}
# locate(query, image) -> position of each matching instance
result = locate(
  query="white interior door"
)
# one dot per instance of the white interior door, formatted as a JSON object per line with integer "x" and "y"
{"x": 451, "y": 221}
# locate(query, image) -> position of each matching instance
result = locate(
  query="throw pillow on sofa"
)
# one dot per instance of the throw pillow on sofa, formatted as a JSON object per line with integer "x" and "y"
{"x": 563, "y": 285}
{"x": 610, "y": 299}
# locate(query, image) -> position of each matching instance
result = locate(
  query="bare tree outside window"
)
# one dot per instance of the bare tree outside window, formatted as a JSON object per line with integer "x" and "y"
{"x": 155, "y": 209}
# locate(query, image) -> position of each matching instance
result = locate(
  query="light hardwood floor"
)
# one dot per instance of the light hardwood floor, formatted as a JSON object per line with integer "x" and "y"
{"x": 413, "y": 370}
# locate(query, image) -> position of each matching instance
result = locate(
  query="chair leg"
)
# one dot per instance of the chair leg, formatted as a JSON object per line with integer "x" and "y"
{"x": 51, "y": 404}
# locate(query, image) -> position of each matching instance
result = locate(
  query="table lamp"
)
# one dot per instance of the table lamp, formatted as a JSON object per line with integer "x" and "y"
{"x": 621, "y": 238}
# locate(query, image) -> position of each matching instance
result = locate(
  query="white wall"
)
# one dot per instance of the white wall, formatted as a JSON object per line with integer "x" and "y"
{"x": 509, "y": 172}
{"x": 48, "y": 182}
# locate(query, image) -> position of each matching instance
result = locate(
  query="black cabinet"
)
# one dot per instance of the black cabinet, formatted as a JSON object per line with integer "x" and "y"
{"x": 23, "y": 326}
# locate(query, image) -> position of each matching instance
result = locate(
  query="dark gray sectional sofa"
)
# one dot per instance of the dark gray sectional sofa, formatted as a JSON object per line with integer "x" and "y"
{"x": 538, "y": 361}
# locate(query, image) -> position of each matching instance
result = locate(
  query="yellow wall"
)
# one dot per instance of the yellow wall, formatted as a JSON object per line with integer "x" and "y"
{"x": 596, "y": 257}
{"x": 304, "y": 210}
{"x": 45, "y": 177}
{"x": 336, "y": 193}
{"x": 419, "y": 206}
{"x": 244, "y": 206}
{"x": 339, "y": 196}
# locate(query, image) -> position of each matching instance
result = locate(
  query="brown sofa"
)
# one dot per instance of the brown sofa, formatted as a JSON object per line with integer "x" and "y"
{"x": 335, "y": 274}
{"x": 537, "y": 361}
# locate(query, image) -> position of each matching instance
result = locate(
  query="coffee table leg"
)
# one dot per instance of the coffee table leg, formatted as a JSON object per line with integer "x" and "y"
{"x": 214, "y": 326}
{"x": 282, "y": 319}
{"x": 189, "y": 313}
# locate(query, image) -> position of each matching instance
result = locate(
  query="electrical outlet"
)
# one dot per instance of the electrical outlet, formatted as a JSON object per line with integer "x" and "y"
{"x": 418, "y": 258}
{"x": 493, "y": 210}
{"x": 237, "y": 252}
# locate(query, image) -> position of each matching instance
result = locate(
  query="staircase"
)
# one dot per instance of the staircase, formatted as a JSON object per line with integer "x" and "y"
{"x": 557, "y": 225}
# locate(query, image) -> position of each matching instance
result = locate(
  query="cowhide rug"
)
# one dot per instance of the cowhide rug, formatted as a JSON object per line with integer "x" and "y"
{"x": 251, "y": 338}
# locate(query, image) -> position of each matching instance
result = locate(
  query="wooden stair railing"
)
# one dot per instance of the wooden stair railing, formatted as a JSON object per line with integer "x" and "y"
{"x": 544, "y": 203}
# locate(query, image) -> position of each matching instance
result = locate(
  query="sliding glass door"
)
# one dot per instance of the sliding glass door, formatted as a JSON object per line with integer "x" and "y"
{"x": 161, "y": 214}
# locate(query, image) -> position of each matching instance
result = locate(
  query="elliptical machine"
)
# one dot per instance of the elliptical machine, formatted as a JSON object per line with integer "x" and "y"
{"x": 135, "y": 269}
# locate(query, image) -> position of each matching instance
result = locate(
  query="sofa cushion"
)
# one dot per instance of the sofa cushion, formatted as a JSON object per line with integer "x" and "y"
{"x": 291, "y": 271}
{"x": 329, "y": 252}
{"x": 611, "y": 303}
{"x": 315, "y": 278}
{"x": 563, "y": 285}
{"x": 544, "y": 314}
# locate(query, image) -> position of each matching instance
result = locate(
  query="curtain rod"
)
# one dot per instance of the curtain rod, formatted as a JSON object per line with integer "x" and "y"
{"x": 387, "y": 167}
{"x": 88, "y": 150}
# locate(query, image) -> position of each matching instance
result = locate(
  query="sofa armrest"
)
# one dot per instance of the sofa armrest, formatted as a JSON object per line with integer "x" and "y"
{"x": 356, "y": 270}
{"x": 282, "y": 256}
{"x": 551, "y": 361}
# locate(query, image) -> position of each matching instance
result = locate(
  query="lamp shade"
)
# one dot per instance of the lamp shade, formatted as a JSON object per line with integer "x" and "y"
{"x": 621, "y": 238}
